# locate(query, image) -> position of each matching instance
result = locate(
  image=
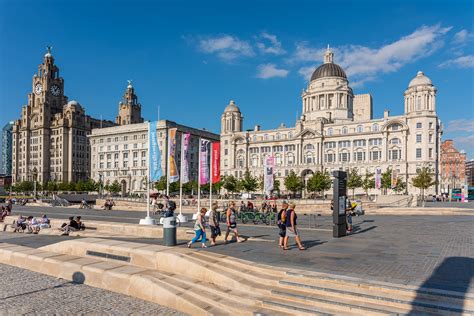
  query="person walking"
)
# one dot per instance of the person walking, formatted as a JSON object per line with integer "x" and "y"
{"x": 214, "y": 223}
{"x": 200, "y": 229}
{"x": 290, "y": 218}
{"x": 281, "y": 224}
{"x": 231, "y": 219}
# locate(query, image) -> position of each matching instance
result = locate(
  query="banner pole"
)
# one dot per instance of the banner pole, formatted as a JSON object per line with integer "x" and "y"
{"x": 168, "y": 163}
{"x": 210, "y": 177}
{"x": 199, "y": 175}
{"x": 181, "y": 177}
{"x": 148, "y": 220}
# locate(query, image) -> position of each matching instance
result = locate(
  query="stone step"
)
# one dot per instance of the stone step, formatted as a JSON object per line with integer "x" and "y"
{"x": 445, "y": 300}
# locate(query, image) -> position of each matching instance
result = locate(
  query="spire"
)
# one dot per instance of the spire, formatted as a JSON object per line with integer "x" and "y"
{"x": 129, "y": 84}
{"x": 48, "y": 54}
{"x": 328, "y": 56}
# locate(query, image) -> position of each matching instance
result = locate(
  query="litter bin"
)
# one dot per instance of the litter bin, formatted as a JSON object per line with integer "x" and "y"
{"x": 169, "y": 231}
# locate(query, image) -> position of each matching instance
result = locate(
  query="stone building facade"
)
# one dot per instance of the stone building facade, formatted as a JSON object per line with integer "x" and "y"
{"x": 120, "y": 153}
{"x": 50, "y": 139}
{"x": 337, "y": 131}
{"x": 470, "y": 173}
{"x": 452, "y": 167}
{"x": 130, "y": 111}
{"x": 7, "y": 148}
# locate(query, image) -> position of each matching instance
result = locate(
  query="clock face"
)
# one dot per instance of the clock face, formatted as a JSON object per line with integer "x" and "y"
{"x": 55, "y": 90}
{"x": 38, "y": 88}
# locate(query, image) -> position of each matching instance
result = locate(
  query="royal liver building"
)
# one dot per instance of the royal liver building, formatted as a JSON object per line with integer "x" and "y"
{"x": 337, "y": 131}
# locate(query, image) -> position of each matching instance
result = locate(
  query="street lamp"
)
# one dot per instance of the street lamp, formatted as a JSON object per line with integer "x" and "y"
{"x": 35, "y": 175}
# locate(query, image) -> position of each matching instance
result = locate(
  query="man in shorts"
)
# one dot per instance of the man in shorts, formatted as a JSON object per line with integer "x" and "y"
{"x": 231, "y": 215}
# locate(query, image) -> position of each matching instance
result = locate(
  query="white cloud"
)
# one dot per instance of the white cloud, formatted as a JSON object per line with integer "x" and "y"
{"x": 226, "y": 47}
{"x": 459, "y": 62}
{"x": 273, "y": 46}
{"x": 361, "y": 62}
{"x": 462, "y": 37}
{"x": 461, "y": 125}
{"x": 267, "y": 71}
{"x": 465, "y": 140}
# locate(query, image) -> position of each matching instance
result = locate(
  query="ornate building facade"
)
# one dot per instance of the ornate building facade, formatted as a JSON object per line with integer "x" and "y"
{"x": 50, "y": 139}
{"x": 337, "y": 131}
{"x": 453, "y": 167}
{"x": 6, "y": 167}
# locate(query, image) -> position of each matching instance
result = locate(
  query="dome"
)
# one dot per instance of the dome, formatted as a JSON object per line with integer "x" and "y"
{"x": 48, "y": 55}
{"x": 328, "y": 70}
{"x": 420, "y": 79}
{"x": 232, "y": 107}
{"x": 73, "y": 102}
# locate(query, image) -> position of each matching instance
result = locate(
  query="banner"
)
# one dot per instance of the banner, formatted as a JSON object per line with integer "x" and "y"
{"x": 204, "y": 163}
{"x": 393, "y": 182}
{"x": 154, "y": 154}
{"x": 172, "y": 167}
{"x": 184, "y": 157}
{"x": 378, "y": 178}
{"x": 268, "y": 174}
{"x": 216, "y": 162}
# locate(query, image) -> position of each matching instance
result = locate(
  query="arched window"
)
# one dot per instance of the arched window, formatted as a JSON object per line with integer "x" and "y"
{"x": 375, "y": 127}
{"x": 308, "y": 147}
{"x": 308, "y": 157}
{"x": 278, "y": 160}
{"x": 330, "y": 131}
{"x": 344, "y": 130}
{"x": 418, "y": 103}
{"x": 360, "y": 128}
{"x": 254, "y": 161}
{"x": 395, "y": 141}
{"x": 240, "y": 162}
{"x": 290, "y": 159}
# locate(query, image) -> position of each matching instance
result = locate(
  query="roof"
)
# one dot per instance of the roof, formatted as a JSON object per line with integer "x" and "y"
{"x": 328, "y": 70}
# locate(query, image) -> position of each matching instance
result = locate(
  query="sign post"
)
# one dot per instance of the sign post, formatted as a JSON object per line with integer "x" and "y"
{"x": 339, "y": 203}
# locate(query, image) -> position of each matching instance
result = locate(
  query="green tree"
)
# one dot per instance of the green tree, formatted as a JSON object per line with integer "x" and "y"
{"x": 354, "y": 180}
{"x": 79, "y": 186}
{"x": 115, "y": 187}
{"x": 400, "y": 187}
{"x": 319, "y": 182}
{"x": 276, "y": 184}
{"x": 174, "y": 187}
{"x": 230, "y": 184}
{"x": 90, "y": 185}
{"x": 51, "y": 186}
{"x": 386, "y": 180}
{"x": 293, "y": 183}
{"x": 189, "y": 187}
{"x": 368, "y": 182}
{"x": 423, "y": 180}
{"x": 160, "y": 185}
{"x": 248, "y": 182}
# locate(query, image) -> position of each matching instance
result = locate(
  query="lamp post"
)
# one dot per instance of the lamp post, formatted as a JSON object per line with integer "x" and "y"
{"x": 35, "y": 175}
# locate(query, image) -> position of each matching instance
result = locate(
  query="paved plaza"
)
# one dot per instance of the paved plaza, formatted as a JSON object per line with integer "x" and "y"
{"x": 24, "y": 292}
{"x": 433, "y": 251}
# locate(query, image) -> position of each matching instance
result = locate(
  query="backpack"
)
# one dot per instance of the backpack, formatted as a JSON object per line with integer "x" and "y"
{"x": 171, "y": 205}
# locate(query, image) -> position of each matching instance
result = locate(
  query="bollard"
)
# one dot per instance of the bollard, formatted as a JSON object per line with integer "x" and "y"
{"x": 169, "y": 231}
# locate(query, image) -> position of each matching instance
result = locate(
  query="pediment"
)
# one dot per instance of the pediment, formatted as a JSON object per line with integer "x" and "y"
{"x": 308, "y": 133}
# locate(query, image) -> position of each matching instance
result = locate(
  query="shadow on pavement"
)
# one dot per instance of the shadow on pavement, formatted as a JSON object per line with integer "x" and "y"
{"x": 357, "y": 230}
{"x": 453, "y": 274}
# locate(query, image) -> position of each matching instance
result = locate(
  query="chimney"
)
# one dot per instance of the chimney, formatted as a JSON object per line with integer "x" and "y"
{"x": 386, "y": 114}
{"x": 256, "y": 128}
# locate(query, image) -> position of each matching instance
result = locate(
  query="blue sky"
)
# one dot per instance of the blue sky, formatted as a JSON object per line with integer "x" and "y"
{"x": 191, "y": 58}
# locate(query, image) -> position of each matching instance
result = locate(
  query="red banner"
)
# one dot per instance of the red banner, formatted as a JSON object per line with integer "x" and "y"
{"x": 216, "y": 162}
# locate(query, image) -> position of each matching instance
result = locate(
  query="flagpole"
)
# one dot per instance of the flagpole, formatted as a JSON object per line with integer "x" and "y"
{"x": 148, "y": 220}
{"x": 168, "y": 164}
{"x": 210, "y": 177}
{"x": 199, "y": 174}
{"x": 181, "y": 177}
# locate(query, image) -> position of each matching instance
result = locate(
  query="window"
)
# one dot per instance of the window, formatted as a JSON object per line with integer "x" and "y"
{"x": 265, "y": 137}
{"x": 116, "y": 164}
{"x": 418, "y": 153}
{"x": 290, "y": 135}
{"x": 226, "y": 164}
{"x": 395, "y": 127}
{"x": 430, "y": 153}
{"x": 135, "y": 146}
{"x": 135, "y": 154}
{"x": 226, "y": 151}
{"x": 240, "y": 162}
{"x": 375, "y": 141}
{"x": 125, "y": 138}
{"x": 266, "y": 149}
{"x": 344, "y": 157}
{"x": 109, "y": 165}
{"x": 125, "y": 155}
{"x": 135, "y": 137}
{"x": 125, "y": 147}
{"x": 359, "y": 156}
{"x": 330, "y": 131}
{"x": 418, "y": 125}
{"x": 277, "y": 149}
{"x": 360, "y": 129}
{"x": 345, "y": 144}
{"x": 135, "y": 163}
{"x": 116, "y": 147}
{"x": 395, "y": 154}
{"x": 309, "y": 147}
{"x": 330, "y": 157}
{"x": 359, "y": 143}
{"x": 431, "y": 125}
{"x": 254, "y": 161}
{"x": 395, "y": 141}
{"x": 290, "y": 147}
{"x": 329, "y": 145}
{"x": 290, "y": 159}
{"x": 344, "y": 130}
{"x": 418, "y": 104}
{"x": 309, "y": 158}
{"x": 226, "y": 142}
{"x": 125, "y": 164}
{"x": 254, "y": 138}
{"x": 143, "y": 154}
{"x": 101, "y": 157}
{"x": 375, "y": 155}
{"x": 418, "y": 138}
{"x": 375, "y": 127}
{"x": 116, "y": 156}
{"x": 143, "y": 163}
{"x": 278, "y": 160}
{"x": 253, "y": 150}
{"x": 431, "y": 138}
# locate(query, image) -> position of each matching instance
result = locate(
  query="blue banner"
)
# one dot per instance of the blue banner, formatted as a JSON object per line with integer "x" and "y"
{"x": 154, "y": 154}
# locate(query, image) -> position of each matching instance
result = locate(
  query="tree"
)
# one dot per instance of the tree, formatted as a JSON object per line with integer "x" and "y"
{"x": 160, "y": 185}
{"x": 115, "y": 187}
{"x": 293, "y": 183}
{"x": 230, "y": 183}
{"x": 276, "y": 184}
{"x": 368, "y": 182}
{"x": 400, "y": 187}
{"x": 248, "y": 182}
{"x": 319, "y": 182}
{"x": 190, "y": 186}
{"x": 354, "y": 180}
{"x": 174, "y": 187}
{"x": 386, "y": 180}
{"x": 51, "y": 186}
{"x": 423, "y": 180}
